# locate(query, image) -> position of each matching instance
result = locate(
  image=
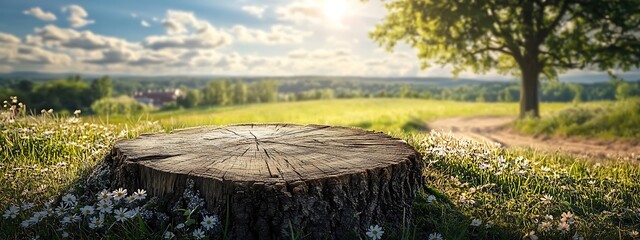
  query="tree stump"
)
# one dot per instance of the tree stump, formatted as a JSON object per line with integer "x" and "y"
{"x": 326, "y": 182}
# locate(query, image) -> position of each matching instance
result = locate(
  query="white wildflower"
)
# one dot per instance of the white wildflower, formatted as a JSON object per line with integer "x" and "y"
{"x": 531, "y": 235}
{"x": 131, "y": 198}
{"x": 375, "y": 232}
{"x": 132, "y": 213}
{"x": 435, "y": 236}
{"x": 568, "y": 218}
{"x": 431, "y": 198}
{"x": 141, "y": 194}
{"x": 62, "y": 209}
{"x": 96, "y": 222}
{"x": 26, "y": 223}
{"x": 180, "y": 226}
{"x": 563, "y": 227}
{"x": 169, "y": 235}
{"x": 198, "y": 234}
{"x": 476, "y": 222}
{"x": 209, "y": 222}
{"x": 104, "y": 195}
{"x": 87, "y": 210}
{"x": 119, "y": 194}
{"x": 12, "y": 212}
{"x": 27, "y": 206}
{"x": 121, "y": 214}
{"x": 69, "y": 199}
{"x": 546, "y": 199}
{"x": 634, "y": 234}
{"x": 545, "y": 226}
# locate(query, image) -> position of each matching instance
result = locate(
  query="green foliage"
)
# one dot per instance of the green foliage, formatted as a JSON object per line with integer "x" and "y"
{"x": 614, "y": 120}
{"x": 192, "y": 98}
{"x": 101, "y": 87}
{"x": 216, "y": 93}
{"x": 62, "y": 94}
{"x": 240, "y": 93}
{"x": 122, "y": 105}
{"x": 522, "y": 38}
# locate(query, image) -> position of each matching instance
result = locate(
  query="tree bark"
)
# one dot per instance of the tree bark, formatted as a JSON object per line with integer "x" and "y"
{"x": 529, "y": 101}
{"x": 327, "y": 182}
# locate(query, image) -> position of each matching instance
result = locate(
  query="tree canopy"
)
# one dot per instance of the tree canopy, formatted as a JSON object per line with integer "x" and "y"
{"x": 525, "y": 38}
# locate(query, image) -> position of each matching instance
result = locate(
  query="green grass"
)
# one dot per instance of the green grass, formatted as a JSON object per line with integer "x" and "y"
{"x": 507, "y": 187}
{"x": 387, "y": 115}
{"x": 44, "y": 157}
{"x": 616, "y": 120}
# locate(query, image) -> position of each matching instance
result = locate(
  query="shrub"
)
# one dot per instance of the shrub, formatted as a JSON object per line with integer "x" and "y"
{"x": 122, "y": 105}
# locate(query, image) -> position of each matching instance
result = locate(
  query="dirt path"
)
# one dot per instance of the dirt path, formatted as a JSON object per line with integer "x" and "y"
{"x": 496, "y": 129}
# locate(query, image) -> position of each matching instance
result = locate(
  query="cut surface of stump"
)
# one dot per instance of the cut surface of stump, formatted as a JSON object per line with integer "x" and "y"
{"x": 321, "y": 181}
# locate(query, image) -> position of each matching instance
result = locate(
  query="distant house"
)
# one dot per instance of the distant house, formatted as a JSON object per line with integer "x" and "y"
{"x": 157, "y": 98}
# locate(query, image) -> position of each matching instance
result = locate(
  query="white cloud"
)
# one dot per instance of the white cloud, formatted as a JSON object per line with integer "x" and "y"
{"x": 144, "y": 23}
{"x": 332, "y": 40}
{"x": 134, "y": 15}
{"x": 51, "y": 33}
{"x": 257, "y": 11}
{"x": 53, "y": 36}
{"x": 319, "y": 53}
{"x": 186, "y": 31}
{"x": 8, "y": 39}
{"x": 37, "y": 55}
{"x": 195, "y": 41}
{"x": 42, "y": 15}
{"x": 301, "y": 12}
{"x": 77, "y": 16}
{"x": 113, "y": 56}
{"x": 180, "y": 22}
{"x": 278, "y": 34}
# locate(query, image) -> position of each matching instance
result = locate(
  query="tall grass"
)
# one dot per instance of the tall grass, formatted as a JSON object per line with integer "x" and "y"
{"x": 613, "y": 120}
{"x": 519, "y": 193}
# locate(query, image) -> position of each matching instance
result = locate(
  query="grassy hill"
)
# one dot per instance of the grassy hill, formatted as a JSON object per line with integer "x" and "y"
{"x": 387, "y": 115}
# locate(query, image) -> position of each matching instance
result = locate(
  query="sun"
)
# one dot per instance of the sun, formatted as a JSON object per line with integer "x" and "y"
{"x": 334, "y": 9}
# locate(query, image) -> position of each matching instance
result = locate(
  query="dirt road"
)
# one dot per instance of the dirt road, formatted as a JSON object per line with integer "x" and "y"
{"x": 496, "y": 129}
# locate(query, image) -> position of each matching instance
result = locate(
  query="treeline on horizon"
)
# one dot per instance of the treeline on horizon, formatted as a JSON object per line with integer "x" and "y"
{"x": 105, "y": 95}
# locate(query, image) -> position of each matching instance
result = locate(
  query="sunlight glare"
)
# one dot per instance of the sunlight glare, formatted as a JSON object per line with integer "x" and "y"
{"x": 335, "y": 9}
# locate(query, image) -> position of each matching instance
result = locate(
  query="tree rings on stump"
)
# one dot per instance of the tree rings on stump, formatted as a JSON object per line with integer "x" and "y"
{"x": 325, "y": 182}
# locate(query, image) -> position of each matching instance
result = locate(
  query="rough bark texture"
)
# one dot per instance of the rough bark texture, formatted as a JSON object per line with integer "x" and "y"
{"x": 327, "y": 182}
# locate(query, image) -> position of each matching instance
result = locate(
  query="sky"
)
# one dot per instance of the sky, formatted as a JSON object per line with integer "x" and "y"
{"x": 204, "y": 37}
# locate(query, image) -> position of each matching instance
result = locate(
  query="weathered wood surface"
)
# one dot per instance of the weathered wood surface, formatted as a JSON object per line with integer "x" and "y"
{"x": 328, "y": 182}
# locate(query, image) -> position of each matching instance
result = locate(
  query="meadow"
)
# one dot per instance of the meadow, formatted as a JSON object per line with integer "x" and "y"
{"x": 472, "y": 190}
{"x": 380, "y": 114}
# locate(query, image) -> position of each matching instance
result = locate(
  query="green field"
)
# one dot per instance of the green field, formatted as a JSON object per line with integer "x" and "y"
{"x": 472, "y": 191}
{"x": 387, "y": 115}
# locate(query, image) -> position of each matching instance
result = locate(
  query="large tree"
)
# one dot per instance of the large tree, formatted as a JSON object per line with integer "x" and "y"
{"x": 525, "y": 38}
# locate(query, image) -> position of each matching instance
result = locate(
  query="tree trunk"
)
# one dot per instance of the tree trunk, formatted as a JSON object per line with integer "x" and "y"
{"x": 327, "y": 182}
{"x": 529, "y": 102}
